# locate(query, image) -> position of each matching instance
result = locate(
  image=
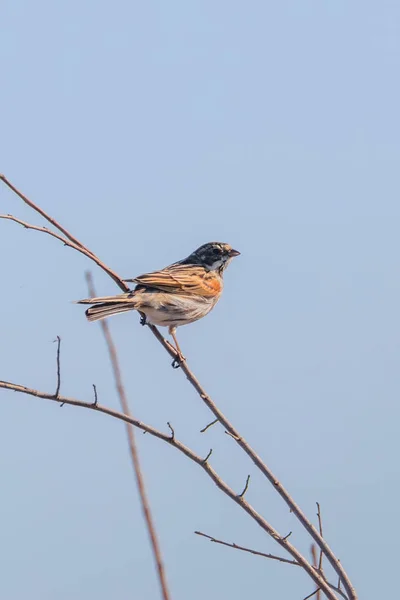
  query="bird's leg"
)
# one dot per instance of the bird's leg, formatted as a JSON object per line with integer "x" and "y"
{"x": 142, "y": 318}
{"x": 176, "y": 363}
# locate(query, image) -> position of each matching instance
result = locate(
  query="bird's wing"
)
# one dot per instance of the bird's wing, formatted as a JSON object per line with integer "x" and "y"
{"x": 182, "y": 279}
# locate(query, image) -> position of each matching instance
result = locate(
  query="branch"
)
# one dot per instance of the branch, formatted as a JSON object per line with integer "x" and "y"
{"x": 204, "y": 464}
{"x": 271, "y": 556}
{"x": 133, "y": 448}
{"x": 266, "y": 471}
{"x": 313, "y": 532}
{"x": 76, "y": 246}
{"x": 41, "y": 212}
{"x": 255, "y": 552}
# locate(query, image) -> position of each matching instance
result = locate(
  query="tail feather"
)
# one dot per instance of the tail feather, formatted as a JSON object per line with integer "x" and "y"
{"x": 107, "y": 306}
{"x": 102, "y": 311}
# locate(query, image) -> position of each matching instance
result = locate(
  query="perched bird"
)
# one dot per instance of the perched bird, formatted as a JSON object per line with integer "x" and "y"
{"x": 177, "y": 295}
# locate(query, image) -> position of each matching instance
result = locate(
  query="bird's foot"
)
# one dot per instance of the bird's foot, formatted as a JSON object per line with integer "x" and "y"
{"x": 143, "y": 320}
{"x": 178, "y": 361}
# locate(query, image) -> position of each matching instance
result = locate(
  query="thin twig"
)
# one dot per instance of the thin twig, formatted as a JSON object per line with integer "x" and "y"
{"x": 208, "y": 455}
{"x": 312, "y": 594}
{"x": 265, "y": 555}
{"x": 58, "y": 340}
{"x": 321, "y": 554}
{"x": 246, "y": 487}
{"x": 112, "y": 350}
{"x": 171, "y": 430}
{"x": 314, "y": 533}
{"x": 67, "y": 242}
{"x": 39, "y": 210}
{"x": 95, "y": 401}
{"x": 208, "y": 426}
{"x": 249, "y": 550}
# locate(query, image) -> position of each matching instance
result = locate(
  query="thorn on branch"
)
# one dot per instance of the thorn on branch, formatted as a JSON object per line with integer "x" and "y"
{"x": 57, "y": 392}
{"x": 209, "y": 425}
{"x": 287, "y": 536}
{"x": 95, "y": 403}
{"x": 245, "y": 487}
{"x": 235, "y": 437}
{"x": 312, "y": 594}
{"x": 207, "y": 457}
{"x": 172, "y": 437}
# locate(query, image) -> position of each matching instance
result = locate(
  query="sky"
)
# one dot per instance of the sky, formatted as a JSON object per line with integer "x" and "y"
{"x": 148, "y": 129}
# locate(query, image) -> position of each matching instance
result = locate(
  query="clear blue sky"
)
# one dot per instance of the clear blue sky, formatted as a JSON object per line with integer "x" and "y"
{"x": 148, "y": 129}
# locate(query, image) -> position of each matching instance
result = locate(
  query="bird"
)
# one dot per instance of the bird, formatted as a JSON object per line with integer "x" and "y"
{"x": 177, "y": 295}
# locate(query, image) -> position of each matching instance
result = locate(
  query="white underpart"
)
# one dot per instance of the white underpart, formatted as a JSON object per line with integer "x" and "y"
{"x": 174, "y": 310}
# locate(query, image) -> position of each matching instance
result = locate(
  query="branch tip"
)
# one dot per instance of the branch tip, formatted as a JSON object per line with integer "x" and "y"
{"x": 95, "y": 403}
{"x": 246, "y": 487}
{"x": 172, "y": 430}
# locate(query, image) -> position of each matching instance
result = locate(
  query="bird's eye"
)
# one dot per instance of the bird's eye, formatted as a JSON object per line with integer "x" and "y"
{"x": 215, "y": 251}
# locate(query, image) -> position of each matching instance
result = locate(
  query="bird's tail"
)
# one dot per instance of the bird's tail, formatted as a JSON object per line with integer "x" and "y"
{"x": 107, "y": 306}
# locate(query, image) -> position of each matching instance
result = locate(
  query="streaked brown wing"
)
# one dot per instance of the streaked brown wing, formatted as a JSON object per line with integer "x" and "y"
{"x": 188, "y": 279}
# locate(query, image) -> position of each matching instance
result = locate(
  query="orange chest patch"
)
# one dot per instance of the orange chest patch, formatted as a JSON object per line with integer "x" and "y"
{"x": 212, "y": 284}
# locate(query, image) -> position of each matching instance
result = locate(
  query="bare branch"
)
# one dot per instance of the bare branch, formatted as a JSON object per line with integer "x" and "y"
{"x": 298, "y": 557}
{"x": 41, "y": 212}
{"x": 306, "y": 523}
{"x": 312, "y": 594}
{"x": 67, "y": 242}
{"x": 249, "y": 550}
{"x": 112, "y": 350}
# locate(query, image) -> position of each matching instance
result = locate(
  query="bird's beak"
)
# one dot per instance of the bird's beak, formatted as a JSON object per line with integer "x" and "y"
{"x": 233, "y": 253}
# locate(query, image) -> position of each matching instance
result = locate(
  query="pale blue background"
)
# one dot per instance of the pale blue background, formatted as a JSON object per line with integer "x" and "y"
{"x": 148, "y": 129}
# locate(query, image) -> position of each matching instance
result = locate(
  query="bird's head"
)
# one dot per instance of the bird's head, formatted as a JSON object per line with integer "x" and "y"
{"x": 214, "y": 256}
